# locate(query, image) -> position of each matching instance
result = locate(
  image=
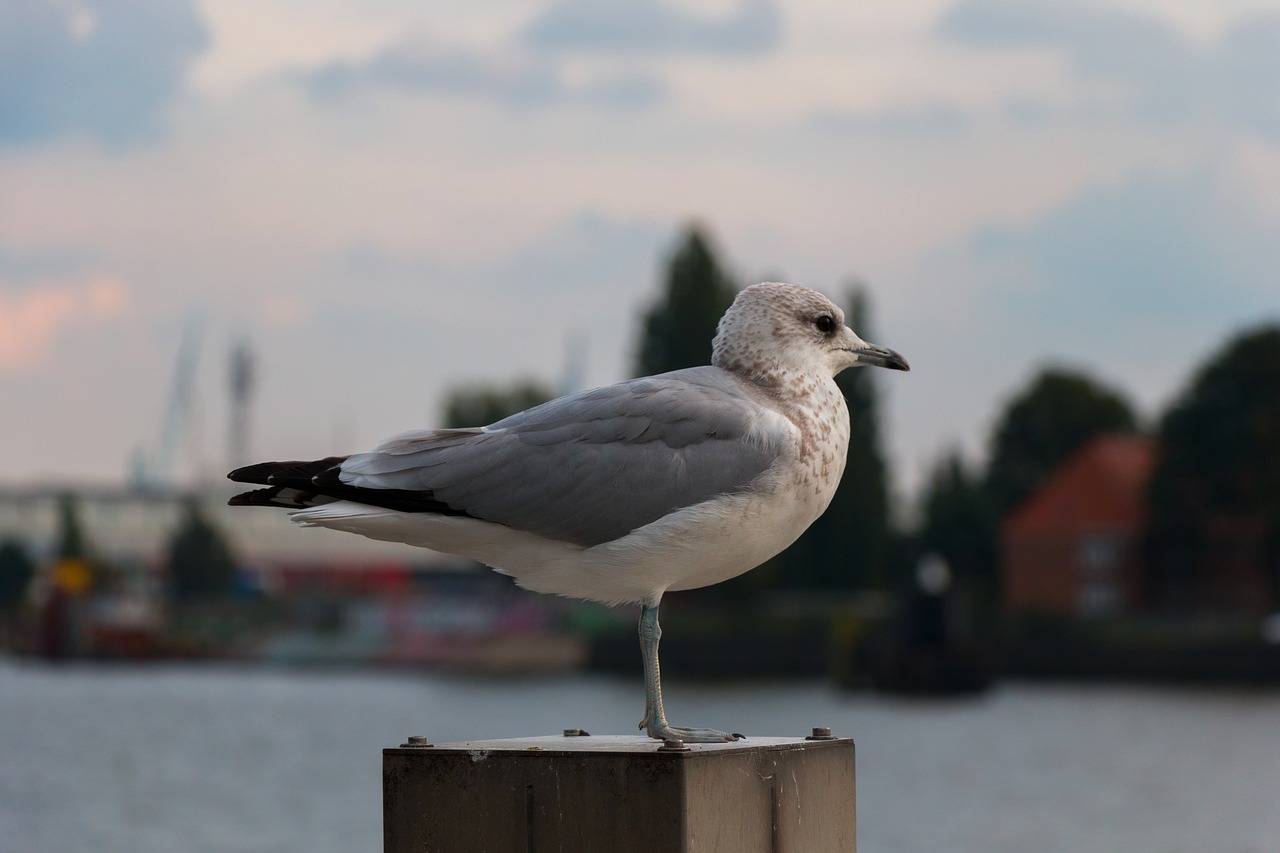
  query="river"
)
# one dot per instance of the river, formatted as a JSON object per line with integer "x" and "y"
{"x": 218, "y": 758}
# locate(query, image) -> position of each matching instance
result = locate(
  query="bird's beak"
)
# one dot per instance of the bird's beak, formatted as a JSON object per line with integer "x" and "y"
{"x": 881, "y": 357}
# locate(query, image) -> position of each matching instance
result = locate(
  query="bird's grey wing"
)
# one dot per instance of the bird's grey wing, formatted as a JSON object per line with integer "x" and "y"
{"x": 590, "y": 467}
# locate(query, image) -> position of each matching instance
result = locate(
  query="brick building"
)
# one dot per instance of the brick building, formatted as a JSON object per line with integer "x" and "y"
{"x": 1074, "y": 546}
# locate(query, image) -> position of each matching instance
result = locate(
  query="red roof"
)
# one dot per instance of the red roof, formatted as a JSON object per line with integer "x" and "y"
{"x": 1102, "y": 486}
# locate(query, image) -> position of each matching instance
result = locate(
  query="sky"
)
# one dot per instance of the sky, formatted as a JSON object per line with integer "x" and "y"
{"x": 386, "y": 199}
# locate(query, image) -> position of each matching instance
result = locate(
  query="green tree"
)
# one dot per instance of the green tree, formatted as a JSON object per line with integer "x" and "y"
{"x": 1058, "y": 413}
{"x": 200, "y": 562}
{"x": 958, "y": 521}
{"x": 677, "y": 331}
{"x": 16, "y": 570}
{"x": 1219, "y": 461}
{"x": 848, "y": 546}
{"x": 481, "y": 405}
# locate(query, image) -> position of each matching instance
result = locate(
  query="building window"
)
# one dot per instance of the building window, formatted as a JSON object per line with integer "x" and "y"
{"x": 1097, "y": 574}
{"x": 1098, "y": 554}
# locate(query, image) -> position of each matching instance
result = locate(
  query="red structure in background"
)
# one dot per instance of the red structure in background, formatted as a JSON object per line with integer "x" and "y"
{"x": 388, "y": 579}
{"x": 1074, "y": 546}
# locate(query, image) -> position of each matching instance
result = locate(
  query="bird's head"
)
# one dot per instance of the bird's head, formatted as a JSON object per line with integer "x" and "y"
{"x": 774, "y": 327}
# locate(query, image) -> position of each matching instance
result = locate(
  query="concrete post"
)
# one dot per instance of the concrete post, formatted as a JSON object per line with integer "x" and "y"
{"x": 616, "y": 794}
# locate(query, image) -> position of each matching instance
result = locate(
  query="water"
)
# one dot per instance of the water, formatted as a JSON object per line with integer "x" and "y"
{"x": 203, "y": 758}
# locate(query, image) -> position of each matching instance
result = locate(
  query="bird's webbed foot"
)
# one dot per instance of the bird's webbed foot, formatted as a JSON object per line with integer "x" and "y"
{"x": 662, "y": 730}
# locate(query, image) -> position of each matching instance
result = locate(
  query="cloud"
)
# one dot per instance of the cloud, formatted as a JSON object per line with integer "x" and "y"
{"x": 1134, "y": 282}
{"x": 1150, "y": 254}
{"x": 648, "y": 26}
{"x": 1249, "y": 70}
{"x": 416, "y": 67}
{"x": 61, "y": 262}
{"x": 1171, "y": 78}
{"x": 934, "y": 120}
{"x": 580, "y": 253}
{"x": 581, "y": 275}
{"x": 626, "y": 92}
{"x": 30, "y": 321}
{"x": 278, "y": 311}
{"x": 513, "y": 78}
{"x": 1096, "y": 37}
{"x": 100, "y": 67}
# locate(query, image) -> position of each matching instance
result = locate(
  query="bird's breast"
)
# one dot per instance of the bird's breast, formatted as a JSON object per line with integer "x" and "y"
{"x": 821, "y": 443}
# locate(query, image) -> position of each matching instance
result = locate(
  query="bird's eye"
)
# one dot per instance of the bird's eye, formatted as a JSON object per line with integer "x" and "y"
{"x": 825, "y": 323}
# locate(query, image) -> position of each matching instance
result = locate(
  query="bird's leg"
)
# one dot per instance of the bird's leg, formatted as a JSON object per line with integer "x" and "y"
{"x": 655, "y": 718}
{"x": 650, "y": 634}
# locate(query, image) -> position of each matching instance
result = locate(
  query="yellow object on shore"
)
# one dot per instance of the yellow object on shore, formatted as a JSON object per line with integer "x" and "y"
{"x": 73, "y": 575}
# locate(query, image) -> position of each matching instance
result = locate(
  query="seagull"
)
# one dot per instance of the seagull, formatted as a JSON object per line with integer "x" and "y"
{"x": 620, "y": 494}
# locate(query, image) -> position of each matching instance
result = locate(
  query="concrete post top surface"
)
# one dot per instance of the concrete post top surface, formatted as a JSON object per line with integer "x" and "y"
{"x": 544, "y": 744}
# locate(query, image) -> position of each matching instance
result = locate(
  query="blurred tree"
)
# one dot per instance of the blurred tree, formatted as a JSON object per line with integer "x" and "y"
{"x": 481, "y": 405}
{"x": 958, "y": 521}
{"x": 200, "y": 562}
{"x": 848, "y": 546}
{"x": 16, "y": 570}
{"x": 678, "y": 330}
{"x": 1057, "y": 414}
{"x": 1219, "y": 461}
{"x": 73, "y": 569}
{"x": 72, "y": 544}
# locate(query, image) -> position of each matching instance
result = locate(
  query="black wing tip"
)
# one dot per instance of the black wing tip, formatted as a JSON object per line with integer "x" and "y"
{"x": 256, "y": 497}
{"x": 265, "y": 473}
{"x": 297, "y": 485}
{"x": 251, "y": 473}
